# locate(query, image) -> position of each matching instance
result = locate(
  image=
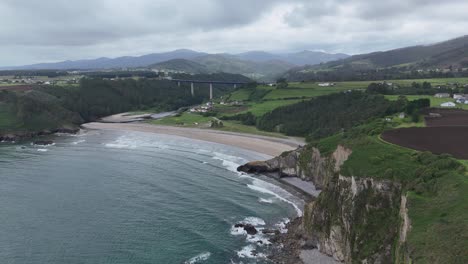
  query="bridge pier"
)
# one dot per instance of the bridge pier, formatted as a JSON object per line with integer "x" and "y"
{"x": 235, "y": 86}
{"x": 192, "y": 90}
{"x": 178, "y": 84}
{"x": 211, "y": 91}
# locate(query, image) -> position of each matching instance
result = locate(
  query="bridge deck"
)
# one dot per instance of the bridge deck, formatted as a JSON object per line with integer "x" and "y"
{"x": 207, "y": 82}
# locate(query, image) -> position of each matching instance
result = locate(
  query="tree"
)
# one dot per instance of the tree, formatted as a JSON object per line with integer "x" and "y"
{"x": 426, "y": 85}
{"x": 282, "y": 83}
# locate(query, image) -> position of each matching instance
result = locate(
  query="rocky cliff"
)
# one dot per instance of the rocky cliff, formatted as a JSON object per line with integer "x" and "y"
{"x": 354, "y": 220}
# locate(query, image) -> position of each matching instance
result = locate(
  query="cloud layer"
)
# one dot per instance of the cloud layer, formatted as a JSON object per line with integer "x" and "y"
{"x": 52, "y": 30}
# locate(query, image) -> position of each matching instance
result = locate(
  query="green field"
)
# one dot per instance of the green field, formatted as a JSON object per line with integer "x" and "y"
{"x": 259, "y": 109}
{"x": 364, "y": 84}
{"x": 312, "y": 89}
{"x": 437, "y": 188}
{"x": 10, "y": 84}
{"x": 199, "y": 121}
{"x": 264, "y": 99}
{"x": 435, "y": 102}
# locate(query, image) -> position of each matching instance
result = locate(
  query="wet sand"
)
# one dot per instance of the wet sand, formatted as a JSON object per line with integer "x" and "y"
{"x": 270, "y": 146}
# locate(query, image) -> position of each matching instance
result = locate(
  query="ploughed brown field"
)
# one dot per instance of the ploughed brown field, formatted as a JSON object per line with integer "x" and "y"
{"x": 445, "y": 134}
{"x": 449, "y": 117}
{"x": 438, "y": 140}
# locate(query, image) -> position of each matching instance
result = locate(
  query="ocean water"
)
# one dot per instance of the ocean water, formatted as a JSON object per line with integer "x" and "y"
{"x": 128, "y": 197}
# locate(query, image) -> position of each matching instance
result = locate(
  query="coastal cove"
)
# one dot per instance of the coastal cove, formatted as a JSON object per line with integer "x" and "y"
{"x": 130, "y": 196}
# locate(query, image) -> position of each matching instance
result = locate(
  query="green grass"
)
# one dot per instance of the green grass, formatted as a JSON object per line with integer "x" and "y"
{"x": 185, "y": 120}
{"x": 259, "y": 109}
{"x": 437, "y": 189}
{"x": 364, "y": 84}
{"x": 240, "y": 95}
{"x": 374, "y": 158}
{"x": 439, "y": 222}
{"x": 11, "y": 84}
{"x": 435, "y": 102}
{"x": 190, "y": 120}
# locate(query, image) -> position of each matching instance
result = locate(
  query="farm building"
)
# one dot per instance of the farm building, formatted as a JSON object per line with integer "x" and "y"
{"x": 326, "y": 84}
{"x": 442, "y": 95}
{"x": 448, "y": 104}
{"x": 460, "y": 96}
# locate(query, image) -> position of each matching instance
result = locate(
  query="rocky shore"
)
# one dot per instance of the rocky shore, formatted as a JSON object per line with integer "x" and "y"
{"x": 19, "y": 136}
{"x": 293, "y": 246}
{"x": 335, "y": 226}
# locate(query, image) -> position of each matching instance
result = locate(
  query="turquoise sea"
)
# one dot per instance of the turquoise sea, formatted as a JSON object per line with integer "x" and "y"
{"x": 128, "y": 197}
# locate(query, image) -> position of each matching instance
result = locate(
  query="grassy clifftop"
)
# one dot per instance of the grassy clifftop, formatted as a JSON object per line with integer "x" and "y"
{"x": 436, "y": 187}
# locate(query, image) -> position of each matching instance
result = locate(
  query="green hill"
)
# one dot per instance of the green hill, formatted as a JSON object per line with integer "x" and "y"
{"x": 231, "y": 64}
{"x": 181, "y": 65}
{"x": 440, "y": 54}
{"x": 398, "y": 63}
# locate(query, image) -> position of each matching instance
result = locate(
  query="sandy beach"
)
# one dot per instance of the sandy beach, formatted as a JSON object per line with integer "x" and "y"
{"x": 270, "y": 146}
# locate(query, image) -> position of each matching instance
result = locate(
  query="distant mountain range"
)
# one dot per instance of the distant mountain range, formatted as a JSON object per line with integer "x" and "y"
{"x": 256, "y": 64}
{"x": 263, "y": 65}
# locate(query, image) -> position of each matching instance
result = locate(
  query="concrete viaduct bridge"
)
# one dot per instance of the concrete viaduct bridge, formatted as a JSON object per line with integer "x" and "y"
{"x": 193, "y": 82}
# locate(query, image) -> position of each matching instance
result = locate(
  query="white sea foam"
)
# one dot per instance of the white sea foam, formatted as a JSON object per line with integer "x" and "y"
{"x": 269, "y": 188}
{"x": 282, "y": 226}
{"x": 249, "y": 252}
{"x": 134, "y": 142}
{"x": 78, "y": 142}
{"x": 42, "y": 150}
{"x": 255, "y": 221}
{"x": 229, "y": 162}
{"x": 199, "y": 258}
{"x": 263, "y": 200}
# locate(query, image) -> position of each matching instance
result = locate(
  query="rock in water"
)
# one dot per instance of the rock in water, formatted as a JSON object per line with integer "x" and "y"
{"x": 250, "y": 229}
{"x": 43, "y": 142}
{"x": 255, "y": 167}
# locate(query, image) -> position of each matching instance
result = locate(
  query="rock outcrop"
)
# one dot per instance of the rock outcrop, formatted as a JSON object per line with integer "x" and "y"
{"x": 17, "y": 136}
{"x": 354, "y": 220}
{"x": 306, "y": 163}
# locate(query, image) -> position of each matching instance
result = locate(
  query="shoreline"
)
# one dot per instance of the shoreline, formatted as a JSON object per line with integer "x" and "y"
{"x": 288, "y": 248}
{"x": 261, "y": 144}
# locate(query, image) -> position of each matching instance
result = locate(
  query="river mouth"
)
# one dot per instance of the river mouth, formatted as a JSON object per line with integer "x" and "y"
{"x": 130, "y": 197}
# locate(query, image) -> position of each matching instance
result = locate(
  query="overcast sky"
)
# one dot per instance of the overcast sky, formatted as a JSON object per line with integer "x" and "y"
{"x": 34, "y": 31}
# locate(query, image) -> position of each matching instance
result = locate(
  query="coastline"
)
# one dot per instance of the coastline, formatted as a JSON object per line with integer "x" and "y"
{"x": 289, "y": 247}
{"x": 261, "y": 144}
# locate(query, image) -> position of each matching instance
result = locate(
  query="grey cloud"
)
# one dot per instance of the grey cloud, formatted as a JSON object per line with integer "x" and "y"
{"x": 50, "y": 30}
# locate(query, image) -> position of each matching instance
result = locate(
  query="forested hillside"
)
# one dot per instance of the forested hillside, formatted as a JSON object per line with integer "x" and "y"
{"x": 53, "y": 107}
{"x": 327, "y": 115}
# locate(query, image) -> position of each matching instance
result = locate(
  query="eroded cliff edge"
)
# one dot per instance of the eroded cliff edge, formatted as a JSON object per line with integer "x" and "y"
{"x": 354, "y": 219}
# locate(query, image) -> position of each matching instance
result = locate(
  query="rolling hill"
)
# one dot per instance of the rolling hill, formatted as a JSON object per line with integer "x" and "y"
{"x": 232, "y": 64}
{"x": 182, "y": 65}
{"x": 432, "y": 60}
{"x": 255, "y": 64}
{"x": 305, "y": 57}
{"x": 120, "y": 62}
{"x": 452, "y": 52}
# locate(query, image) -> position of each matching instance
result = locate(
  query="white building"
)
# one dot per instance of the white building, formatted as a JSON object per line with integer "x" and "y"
{"x": 326, "y": 84}
{"x": 459, "y": 96}
{"x": 448, "y": 104}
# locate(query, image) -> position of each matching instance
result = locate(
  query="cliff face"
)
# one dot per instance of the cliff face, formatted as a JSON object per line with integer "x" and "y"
{"x": 355, "y": 220}
{"x": 305, "y": 163}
